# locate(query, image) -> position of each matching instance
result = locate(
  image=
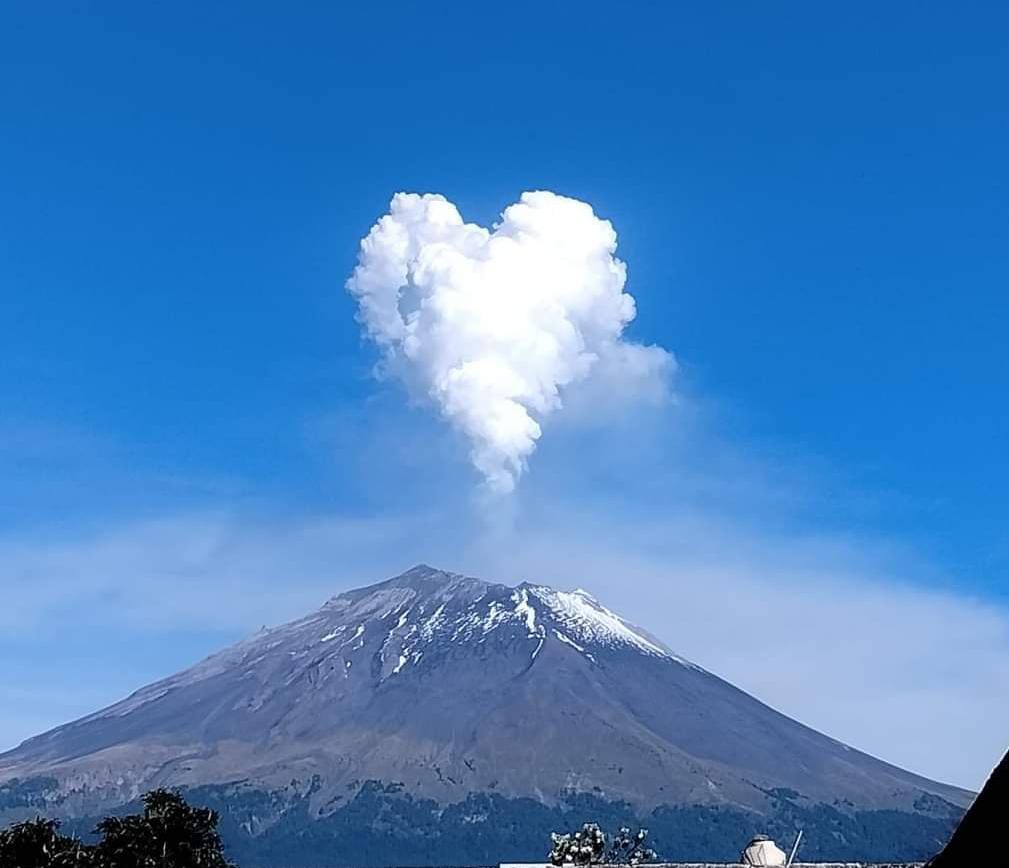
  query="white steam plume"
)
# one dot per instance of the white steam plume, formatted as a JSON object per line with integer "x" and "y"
{"x": 492, "y": 325}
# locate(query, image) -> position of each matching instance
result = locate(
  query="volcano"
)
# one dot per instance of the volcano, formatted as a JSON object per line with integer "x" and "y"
{"x": 443, "y": 698}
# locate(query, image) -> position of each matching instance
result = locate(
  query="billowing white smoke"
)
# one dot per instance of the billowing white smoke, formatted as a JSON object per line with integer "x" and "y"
{"x": 492, "y": 325}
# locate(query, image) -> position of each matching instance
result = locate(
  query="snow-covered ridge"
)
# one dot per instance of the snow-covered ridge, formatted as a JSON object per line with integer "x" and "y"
{"x": 464, "y": 611}
{"x": 589, "y": 622}
{"x": 397, "y": 622}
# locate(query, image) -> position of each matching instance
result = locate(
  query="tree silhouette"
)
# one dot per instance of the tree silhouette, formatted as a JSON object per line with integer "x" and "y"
{"x": 38, "y": 844}
{"x": 168, "y": 834}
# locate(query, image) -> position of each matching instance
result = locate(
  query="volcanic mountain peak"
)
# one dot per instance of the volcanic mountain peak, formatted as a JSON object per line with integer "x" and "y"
{"x": 449, "y": 686}
{"x": 425, "y": 605}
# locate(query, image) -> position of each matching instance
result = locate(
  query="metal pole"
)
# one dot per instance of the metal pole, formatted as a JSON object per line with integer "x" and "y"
{"x": 795, "y": 849}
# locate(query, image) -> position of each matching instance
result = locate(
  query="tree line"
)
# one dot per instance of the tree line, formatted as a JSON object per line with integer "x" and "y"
{"x": 168, "y": 833}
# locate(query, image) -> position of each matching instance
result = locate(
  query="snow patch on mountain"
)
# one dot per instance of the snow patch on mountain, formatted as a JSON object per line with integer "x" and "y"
{"x": 434, "y": 608}
{"x": 524, "y": 610}
{"x": 586, "y": 620}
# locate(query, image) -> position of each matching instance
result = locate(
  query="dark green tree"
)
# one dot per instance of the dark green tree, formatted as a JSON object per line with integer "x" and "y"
{"x": 168, "y": 834}
{"x": 38, "y": 844}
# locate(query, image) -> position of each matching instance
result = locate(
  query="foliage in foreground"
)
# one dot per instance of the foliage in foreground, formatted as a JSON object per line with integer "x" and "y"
{"x": 169, "y": 833}
{"x": 39, "y": 844}
{"x": 588, "y": 847}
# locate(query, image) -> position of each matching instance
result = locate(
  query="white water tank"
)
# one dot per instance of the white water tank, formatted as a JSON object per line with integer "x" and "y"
{"x": 762, "y": 852}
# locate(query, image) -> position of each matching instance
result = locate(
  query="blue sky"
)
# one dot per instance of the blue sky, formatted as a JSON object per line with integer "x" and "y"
{"x": 812, "y": 210}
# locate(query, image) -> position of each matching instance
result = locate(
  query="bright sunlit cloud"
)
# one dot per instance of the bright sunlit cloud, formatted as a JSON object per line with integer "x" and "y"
{"x": 492, "y": 325}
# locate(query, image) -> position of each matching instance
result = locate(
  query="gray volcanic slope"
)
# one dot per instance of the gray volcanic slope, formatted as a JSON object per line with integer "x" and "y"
{"x": 451, "y": 685}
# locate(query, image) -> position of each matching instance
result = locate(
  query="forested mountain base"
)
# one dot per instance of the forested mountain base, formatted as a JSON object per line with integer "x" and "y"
{"x": 379, "y": 825}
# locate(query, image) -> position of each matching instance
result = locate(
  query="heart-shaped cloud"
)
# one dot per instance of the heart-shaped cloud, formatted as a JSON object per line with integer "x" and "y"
{"x": 494, "y": 324}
